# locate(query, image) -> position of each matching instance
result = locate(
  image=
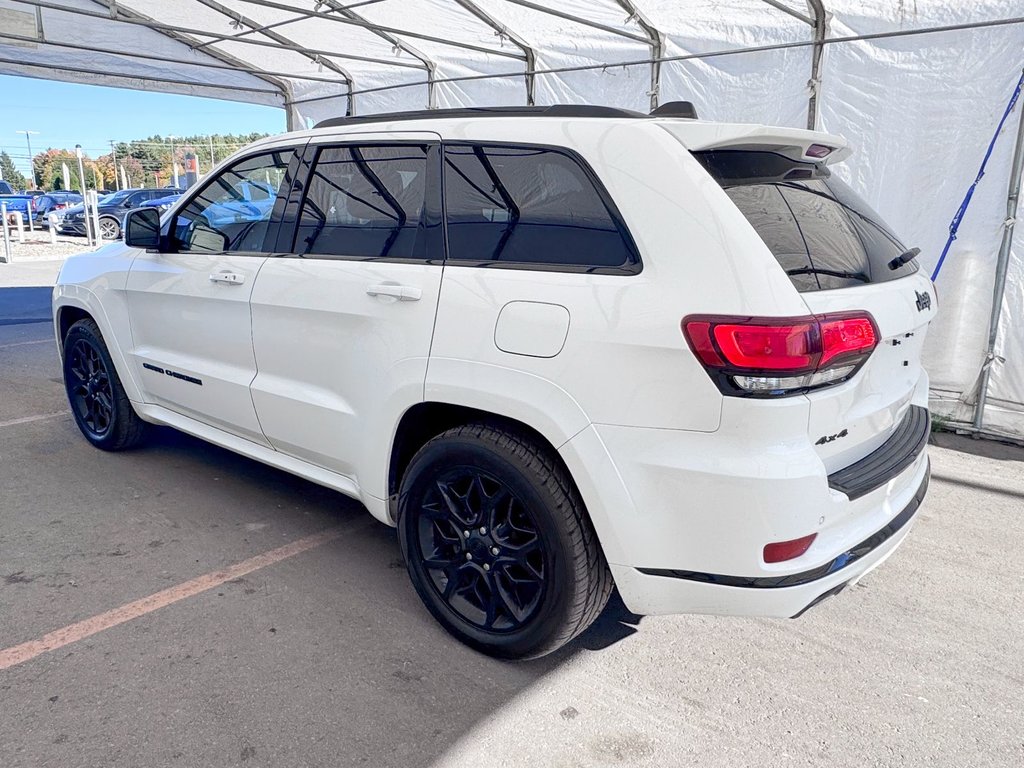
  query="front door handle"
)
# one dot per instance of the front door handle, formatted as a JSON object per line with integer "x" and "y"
{"x": 228, "y": 278}
{"x": 400, "y": 292}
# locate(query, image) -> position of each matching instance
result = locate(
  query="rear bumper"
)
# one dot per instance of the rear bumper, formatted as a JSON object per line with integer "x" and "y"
{"x": 663, "y": 591}
{"x": 683, "y": 517}
{"x": 72, "y": 227}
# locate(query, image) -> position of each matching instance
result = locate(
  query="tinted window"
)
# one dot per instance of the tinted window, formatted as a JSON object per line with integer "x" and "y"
{"x": 365, "y": 202}
{"x": 226, "y": 215}
{"x": 5, "y": 188}
{"x": 528, "y": 205}
{"x": 812, "y": 221}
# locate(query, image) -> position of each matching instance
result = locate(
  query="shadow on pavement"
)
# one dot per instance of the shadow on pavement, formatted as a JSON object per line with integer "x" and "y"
{"x": 328, "y": 658}
{"x": 25, "y": 305}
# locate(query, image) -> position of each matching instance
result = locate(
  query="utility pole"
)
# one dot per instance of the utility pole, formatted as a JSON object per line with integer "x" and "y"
{"x": 174, "y": 163}
{"x": 113, "y": 157}
{"x": 31, "y": 163}
{"x": 85, "y": 193}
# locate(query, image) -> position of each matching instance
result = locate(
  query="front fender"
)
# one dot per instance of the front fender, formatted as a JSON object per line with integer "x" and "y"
{"x": 95, "y": 283}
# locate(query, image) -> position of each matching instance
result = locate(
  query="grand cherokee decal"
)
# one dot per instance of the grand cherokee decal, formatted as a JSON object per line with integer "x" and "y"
{"x": 173, "y": 374}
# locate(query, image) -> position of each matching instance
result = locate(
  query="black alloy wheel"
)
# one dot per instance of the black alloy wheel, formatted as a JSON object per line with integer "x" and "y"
{"x": 98, "y": 401}
{"x": 482, "y": 550}
{"x": 89, "y": 388}
{"x": 498, "y": 543}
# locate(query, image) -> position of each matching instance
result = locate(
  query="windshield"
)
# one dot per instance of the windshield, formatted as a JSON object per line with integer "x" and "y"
{"x": 117, "y": 197}
{"x": 820, "y": 231}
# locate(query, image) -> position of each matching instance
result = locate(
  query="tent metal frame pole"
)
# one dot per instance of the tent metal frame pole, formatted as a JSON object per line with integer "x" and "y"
{"x": 578, "y": 20}
{"x": 655, "y": 39}
{"x": 187, "y": 35}
{"x": 220, "y": 65}
{"x": 399, "y": 45}
{"x": 1002, "y": 268}
{"x": 504, "y": 32}
{"x": 275, "y": 25}
{"x": 148, "y": 78}
{"x": 780, "y": 6}
{"x": 120, "y": 14}
{"x": 820, "y": 24}
{"x": 370, "y": 26}
{"x": 278, "y": 37}
{"x": 711, "y": 54}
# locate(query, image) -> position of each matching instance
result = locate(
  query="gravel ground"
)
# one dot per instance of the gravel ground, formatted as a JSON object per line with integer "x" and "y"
{"x": 37, "y": 247}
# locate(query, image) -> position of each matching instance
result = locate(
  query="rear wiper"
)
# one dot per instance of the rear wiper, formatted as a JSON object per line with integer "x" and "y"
{"x": 904, "y": 257}
{"x": 830, "y": 272}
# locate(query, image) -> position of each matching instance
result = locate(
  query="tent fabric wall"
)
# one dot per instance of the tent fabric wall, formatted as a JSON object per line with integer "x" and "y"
{"x": 919, "y": 110}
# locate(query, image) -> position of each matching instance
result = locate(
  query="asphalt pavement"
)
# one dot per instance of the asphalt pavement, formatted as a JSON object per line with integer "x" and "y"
{"x": 322, "y": 655}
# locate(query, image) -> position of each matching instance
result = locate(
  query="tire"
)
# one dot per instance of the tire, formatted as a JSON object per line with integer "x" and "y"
{"x": 110, "y": 229}
{"x": 530, "y": 575}
{"x": 97, "y": 399}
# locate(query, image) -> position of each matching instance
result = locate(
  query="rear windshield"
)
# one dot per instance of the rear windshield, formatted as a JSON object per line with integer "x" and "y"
{"x": 822, "y": 233}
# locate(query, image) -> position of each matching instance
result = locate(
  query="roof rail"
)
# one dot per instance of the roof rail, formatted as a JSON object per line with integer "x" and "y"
{"x": 555, "y": 110}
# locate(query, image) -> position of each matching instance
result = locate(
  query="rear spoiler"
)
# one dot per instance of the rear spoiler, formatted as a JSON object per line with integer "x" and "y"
{"x": 794, "y": 143}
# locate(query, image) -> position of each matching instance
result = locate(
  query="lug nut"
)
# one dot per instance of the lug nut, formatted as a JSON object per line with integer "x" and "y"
{"x": 469, "y": 555}
{"x": 466, "y": 534}
{"x": 482, "y": 530}
{"x": 487, "y": 567}
{"x": 495, "y": 550}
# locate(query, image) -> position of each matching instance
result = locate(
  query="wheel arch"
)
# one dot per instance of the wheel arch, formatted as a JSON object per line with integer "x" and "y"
{"x": 75, "y": 302}
{"x": 425, "y": 420}
{"x": 68, "y": 315}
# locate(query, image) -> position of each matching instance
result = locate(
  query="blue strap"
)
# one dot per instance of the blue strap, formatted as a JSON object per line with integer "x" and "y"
{"x": 954, "y": 225}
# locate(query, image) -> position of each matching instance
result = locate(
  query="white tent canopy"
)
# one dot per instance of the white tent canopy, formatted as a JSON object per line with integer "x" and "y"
{"x": 917, "y": 87}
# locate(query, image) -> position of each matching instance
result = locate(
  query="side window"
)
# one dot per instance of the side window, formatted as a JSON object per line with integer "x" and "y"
{"x": 529, "y": 205}
{"x": 232, "y": 212}
{"x": 365, "y": 202}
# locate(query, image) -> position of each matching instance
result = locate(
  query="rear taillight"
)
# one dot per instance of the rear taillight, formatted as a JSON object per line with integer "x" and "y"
{"x": 60, "y": 206}
{"x": 770, "y": 357}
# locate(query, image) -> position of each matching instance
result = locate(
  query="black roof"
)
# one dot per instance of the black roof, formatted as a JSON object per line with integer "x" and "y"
{"x": 669, "y": 109}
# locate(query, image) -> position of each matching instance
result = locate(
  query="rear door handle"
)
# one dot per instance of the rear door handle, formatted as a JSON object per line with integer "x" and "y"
{"x": 400, "y": 292}
{"x": 228, "y": 278}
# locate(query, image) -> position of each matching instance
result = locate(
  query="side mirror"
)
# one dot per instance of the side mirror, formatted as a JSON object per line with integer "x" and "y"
{"x": 142, "y": 228}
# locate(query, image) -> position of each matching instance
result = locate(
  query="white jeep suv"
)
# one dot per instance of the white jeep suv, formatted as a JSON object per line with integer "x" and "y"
{"x": 561, "y": 349}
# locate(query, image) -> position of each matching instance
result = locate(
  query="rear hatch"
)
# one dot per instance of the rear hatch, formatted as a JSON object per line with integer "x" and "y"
{"x": 844, "y": 260}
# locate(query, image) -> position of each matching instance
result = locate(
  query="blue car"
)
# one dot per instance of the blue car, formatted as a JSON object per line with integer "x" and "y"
{"x": 162, "y": 203}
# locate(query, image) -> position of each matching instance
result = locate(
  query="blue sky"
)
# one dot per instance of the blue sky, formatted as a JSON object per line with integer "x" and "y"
{"x": 66, "y": 114}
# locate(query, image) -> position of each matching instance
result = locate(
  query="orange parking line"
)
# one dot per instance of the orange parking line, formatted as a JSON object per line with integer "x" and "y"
{"x": 29, "y": 419}
{"x": 72, "y": 633}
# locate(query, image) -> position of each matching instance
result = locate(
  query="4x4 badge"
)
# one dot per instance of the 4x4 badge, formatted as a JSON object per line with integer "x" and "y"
{"x": 831, "y": 438}
{"x": 924, "y": 301}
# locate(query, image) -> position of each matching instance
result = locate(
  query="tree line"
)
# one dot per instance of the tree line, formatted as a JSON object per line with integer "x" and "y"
{"x": 147, "y": 162}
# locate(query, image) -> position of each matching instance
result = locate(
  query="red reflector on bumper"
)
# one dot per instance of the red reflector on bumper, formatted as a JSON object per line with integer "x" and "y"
{"x": 779, "y": 551}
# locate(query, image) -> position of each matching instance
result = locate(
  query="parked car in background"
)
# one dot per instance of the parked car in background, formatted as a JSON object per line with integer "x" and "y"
{"x": 163, "y": 203}
{"x": 112, "y": 210}
{"x": 16, "y": 203}
{"x": 52, "y": 202}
